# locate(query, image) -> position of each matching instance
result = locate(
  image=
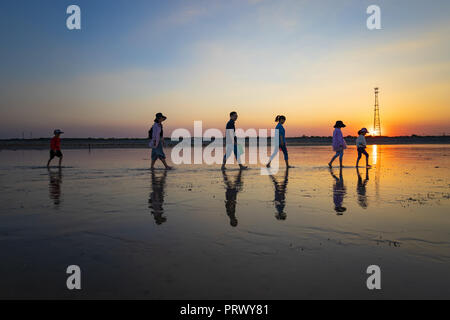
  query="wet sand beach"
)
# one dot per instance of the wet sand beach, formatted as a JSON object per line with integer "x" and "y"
{"x": 197, "y": 233}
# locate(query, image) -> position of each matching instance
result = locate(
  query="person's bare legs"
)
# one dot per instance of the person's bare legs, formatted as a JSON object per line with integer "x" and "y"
{"x": 272, "y": 157}
{"x": 153, "y": 164}
{"x": 367, "y": 161}
{"x": 227, "y": 155}
{"x": 60, "y": 161}
{"x": 165, "y": 164}
{"x": 287, "y": 164}
{"x": 339, "y": 154}
{"x": 48, "y": 162}
{"x": 286, "y": 161}
{"x": 330, "y": 164}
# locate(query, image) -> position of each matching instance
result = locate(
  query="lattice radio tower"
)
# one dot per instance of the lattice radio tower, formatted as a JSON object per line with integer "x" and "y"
{"x": 376, "y": 118}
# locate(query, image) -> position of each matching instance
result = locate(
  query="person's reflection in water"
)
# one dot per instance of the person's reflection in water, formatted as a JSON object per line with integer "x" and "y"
{"x": 361, "y": 188}
{"x": 232, "y": 189}
{"x": 156, "y": 199}
{"x": 339, "y": 192}
{"x": 280, "y": 195}
{"x": 54, "y": 186}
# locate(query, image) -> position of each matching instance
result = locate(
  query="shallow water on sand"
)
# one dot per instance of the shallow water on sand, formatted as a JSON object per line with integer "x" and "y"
{"x": 196, "y": 233}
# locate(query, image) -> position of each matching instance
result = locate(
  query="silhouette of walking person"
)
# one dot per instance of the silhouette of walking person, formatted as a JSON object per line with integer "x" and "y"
{"x": 282, "y": 141}
{"x": 55, "y": 148}
{"x": 280, "y": 195}
{"x": 231, "y": 144}
{"x": 156, "y": 136}
{"x": 232, "y": 189}
{"x": 339, "y": 144}
{"x": 156, "y": 199}
{"x": 361, "y": 188}
{"x": 339, "y": 192}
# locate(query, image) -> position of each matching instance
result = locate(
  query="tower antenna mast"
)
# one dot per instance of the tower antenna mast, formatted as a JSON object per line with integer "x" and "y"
{"x": 376, "y": 118}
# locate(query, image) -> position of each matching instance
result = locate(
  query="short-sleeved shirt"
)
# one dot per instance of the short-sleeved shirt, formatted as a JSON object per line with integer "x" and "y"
{"x": 361, "y": 141}
{"x": 231, "y": 126}
{"x": 55, "y": 144}
{"x": 281, "y": 133}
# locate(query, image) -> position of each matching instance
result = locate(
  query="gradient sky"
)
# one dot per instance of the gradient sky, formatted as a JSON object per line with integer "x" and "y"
{"x": 313, "y": 61}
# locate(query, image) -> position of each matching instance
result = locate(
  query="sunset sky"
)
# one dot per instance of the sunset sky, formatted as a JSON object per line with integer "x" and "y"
{"x": 313, "y": 61}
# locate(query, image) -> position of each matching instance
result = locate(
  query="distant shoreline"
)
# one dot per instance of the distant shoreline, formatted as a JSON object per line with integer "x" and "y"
{"x": 128, "y": 143}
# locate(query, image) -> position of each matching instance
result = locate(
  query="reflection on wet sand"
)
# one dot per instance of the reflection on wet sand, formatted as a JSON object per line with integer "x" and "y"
{"x": 54, "y": 186}
{"x": 376, "y": 160}
{"x": 232, "y": 189}
{"x": 361, "y": 189}
{"x": 156, "y": 199}
{"x": 116, "y": 197}
{"x": 339, "y": 192}
{"x": 280, "y": 195}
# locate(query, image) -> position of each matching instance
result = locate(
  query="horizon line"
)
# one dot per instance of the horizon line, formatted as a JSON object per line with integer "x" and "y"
{"x": 296, "y": 137}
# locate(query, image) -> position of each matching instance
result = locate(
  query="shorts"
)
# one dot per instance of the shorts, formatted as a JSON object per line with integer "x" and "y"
{"x": 362, "y": 151}
{"x": 55, "y": 153}
{"x": 158, "y": 152}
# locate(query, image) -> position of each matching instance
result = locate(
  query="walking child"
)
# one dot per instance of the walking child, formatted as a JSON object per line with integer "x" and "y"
{"x": 282, "y": 134}
{"x": 339, "y": 144}
{"x": 361, "y": 146}
{"x": 156, "y": 136}
{"x": 55, "y": 147}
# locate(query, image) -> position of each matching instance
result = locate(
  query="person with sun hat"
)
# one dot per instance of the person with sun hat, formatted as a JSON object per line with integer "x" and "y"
{"x": 339, "y": 144}
{"x": 156, "y": 137}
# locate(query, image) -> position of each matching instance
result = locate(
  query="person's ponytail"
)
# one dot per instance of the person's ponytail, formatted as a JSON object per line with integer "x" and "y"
{"x": 279, "y": 118}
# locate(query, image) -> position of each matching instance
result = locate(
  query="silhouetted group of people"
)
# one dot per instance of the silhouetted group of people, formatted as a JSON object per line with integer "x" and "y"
{"x": 156, "y": 137}
{"x": 156, "y": 199}
{"x": 339, "y": 144}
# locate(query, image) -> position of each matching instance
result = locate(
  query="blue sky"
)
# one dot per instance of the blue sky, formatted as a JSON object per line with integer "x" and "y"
{"x": 194, "y": 60}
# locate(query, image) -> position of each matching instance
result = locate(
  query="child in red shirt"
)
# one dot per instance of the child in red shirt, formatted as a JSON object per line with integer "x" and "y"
{"x": 55, "y": 147}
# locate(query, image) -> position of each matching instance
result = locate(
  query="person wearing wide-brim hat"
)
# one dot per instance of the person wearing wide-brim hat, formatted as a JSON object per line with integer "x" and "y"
{"x": 339, "y": 124}
{"x": 339, "y": 144}
{"x": 156, "y": 136}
